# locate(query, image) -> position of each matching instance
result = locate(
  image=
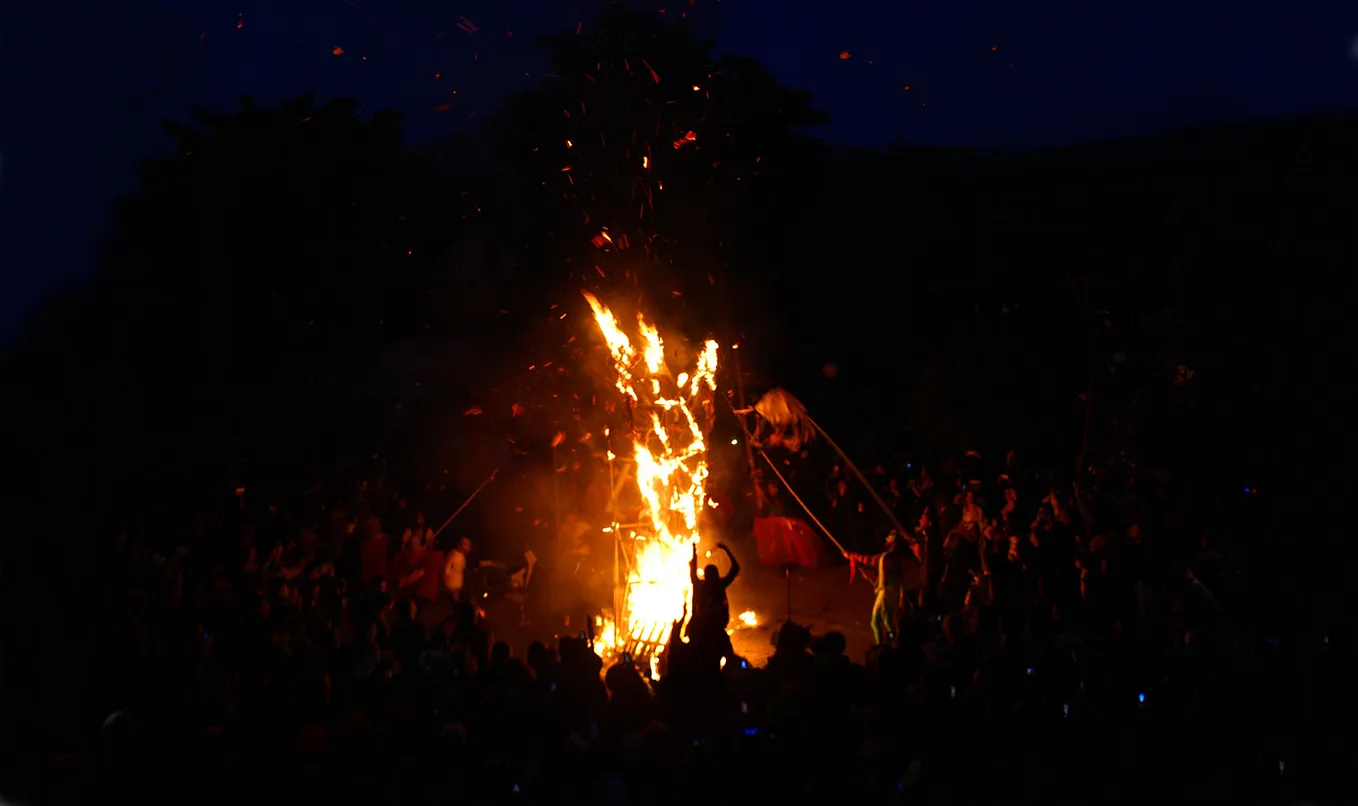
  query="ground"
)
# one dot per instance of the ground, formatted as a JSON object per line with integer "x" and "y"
{"x": 822, "y": 599}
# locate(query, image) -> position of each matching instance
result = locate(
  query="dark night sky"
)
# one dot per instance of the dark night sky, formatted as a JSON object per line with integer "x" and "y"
{"x": 83, "y": 85}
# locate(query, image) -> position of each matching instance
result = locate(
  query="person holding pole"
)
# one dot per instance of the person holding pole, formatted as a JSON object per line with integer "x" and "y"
{"x": 894, "y": 579}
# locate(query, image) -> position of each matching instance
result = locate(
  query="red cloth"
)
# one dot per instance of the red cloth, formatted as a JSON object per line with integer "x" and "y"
{"x": 788, "y": 541}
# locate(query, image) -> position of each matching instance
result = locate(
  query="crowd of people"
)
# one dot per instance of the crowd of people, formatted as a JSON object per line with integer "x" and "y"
{"x": 1079, "y": 644}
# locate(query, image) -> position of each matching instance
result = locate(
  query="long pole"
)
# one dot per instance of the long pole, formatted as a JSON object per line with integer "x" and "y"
{"x": 556, "y": 489}
{"x": 798, "y": 499}
{"x": 871, "y": 490}
{"x": 749, "y": 451}
{"x": 617, "y": 550}
{"x": 809, "y": 514}
{"x": 477, "y": 492}
{"x": 612, "y": 494}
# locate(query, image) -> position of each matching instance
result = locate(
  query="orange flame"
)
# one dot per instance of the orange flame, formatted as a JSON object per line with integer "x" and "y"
{"x": 669, "y": 444}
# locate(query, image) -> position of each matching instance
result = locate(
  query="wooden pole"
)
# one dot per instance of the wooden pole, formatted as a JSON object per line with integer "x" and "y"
{"x": 805, "y": 508}
{"x": 812, "y": 515}
{"x": 749, "y": 451}
{"x": 617, "y": 552}
{"x": 477, "y": 492}
{"x": 900, "y": 530}
{"x": 556, "y": 489}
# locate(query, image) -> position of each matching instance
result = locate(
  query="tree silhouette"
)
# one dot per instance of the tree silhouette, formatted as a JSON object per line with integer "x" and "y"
{"x": 240, "y": 309}
{"x": 257, "y": 275}
{"x": 654, "y": 154}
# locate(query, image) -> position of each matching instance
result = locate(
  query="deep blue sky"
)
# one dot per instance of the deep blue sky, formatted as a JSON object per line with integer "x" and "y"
{"x": 83, "y": 85}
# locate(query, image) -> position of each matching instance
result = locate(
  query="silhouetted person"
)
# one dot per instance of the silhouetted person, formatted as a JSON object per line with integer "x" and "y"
{"x": 711, "y": 610}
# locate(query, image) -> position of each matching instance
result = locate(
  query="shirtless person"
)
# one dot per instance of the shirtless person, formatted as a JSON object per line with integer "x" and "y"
{"x": 894, "y": 580}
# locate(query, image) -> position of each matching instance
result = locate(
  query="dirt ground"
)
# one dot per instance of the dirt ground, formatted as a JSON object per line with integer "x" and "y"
{"x": 822, "y": 599}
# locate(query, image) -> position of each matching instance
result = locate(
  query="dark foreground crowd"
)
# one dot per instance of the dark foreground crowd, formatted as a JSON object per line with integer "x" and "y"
{"x": 1086, "y": 648}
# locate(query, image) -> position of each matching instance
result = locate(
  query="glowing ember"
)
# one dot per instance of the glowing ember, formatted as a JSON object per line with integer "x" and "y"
{"x": 671, "y": 415}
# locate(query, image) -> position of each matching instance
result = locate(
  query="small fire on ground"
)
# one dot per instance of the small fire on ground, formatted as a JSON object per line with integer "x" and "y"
{"x": 745, "y": 621}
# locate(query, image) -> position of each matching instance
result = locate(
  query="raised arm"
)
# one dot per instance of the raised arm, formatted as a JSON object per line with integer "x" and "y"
{"x": 693, "y": 566}
{"x": 735, "y": 566}
{"x": 677, "y": 628}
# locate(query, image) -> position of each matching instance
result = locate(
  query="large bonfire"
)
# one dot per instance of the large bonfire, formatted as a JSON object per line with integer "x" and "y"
{"x": 671, "y": 416}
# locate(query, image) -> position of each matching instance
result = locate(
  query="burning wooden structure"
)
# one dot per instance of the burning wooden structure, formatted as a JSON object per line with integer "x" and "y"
{"x": 671, "y": 415}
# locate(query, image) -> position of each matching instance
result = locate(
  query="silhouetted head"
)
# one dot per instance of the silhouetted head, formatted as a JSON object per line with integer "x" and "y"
{"x": 833, "y": 644}
{"x": 791, "y": 638}
{"x": 710, "y": 571}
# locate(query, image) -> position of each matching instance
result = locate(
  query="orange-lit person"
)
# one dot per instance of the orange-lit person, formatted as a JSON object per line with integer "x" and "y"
{"x": 893, "y": 579}
{"x": 711, "y": 610}
{"x": 455, "y": 570}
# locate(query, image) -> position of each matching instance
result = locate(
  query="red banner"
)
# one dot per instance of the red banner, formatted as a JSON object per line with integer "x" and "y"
{"x": 789, "y": 541}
